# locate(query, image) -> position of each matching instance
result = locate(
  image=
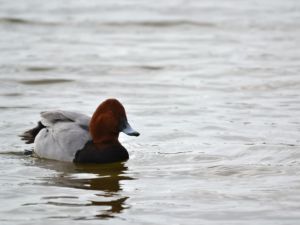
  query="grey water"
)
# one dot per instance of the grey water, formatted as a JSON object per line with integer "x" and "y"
{"x": 212, "y": 86}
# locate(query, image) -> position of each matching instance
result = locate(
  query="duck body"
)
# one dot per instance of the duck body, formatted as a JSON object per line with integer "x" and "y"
{"x": 63, "y": 134}
{"x": 106, "y": 154}
{"x": 74, "y": 137}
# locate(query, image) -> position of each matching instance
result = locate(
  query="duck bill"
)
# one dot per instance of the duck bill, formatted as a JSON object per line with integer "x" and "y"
{"x": 129, "y": 131}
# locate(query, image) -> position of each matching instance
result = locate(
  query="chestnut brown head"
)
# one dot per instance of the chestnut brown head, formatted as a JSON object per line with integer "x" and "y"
{"x": 108, "y": 121}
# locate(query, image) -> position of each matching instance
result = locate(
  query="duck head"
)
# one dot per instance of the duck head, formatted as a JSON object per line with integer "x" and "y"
{"x": 108, "y": 121}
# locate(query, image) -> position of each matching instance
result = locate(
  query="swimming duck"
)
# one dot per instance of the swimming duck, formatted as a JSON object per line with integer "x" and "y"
{"x": 74, "y": 137}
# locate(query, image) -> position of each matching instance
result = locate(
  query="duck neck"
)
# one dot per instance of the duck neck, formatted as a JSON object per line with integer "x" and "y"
{"x": 106, "y": 140}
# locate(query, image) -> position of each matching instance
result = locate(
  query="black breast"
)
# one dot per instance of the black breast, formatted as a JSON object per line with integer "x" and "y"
{"x": 91, "y": 154}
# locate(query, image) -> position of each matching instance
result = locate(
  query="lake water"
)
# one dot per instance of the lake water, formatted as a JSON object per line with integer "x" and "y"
{"x": 212, "y": 86}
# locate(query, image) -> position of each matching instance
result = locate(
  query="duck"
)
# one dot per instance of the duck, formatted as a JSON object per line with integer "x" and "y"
{"x": 75, "y": 137}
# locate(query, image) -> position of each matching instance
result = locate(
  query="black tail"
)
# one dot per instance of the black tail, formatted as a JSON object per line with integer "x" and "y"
{"x": 29, "y": 135}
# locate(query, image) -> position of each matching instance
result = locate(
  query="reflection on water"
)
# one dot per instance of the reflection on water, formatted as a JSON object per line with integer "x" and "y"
{"x": 105, "y": 179}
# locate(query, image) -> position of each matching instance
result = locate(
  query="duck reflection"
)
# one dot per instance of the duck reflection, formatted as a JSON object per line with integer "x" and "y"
{"x": 104, "y": 178}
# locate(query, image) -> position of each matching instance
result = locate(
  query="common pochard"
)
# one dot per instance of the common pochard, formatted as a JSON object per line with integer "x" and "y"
{"x": 74, "y": 137}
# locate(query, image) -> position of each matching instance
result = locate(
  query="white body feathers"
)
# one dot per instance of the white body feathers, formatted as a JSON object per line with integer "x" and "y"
{"x": 64, "y": 134}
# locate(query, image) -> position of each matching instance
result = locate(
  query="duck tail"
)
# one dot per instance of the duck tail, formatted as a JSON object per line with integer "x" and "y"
{"x": 29, "y": 135}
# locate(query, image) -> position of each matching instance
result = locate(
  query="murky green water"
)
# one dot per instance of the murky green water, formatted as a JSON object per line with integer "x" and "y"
{"x": 212, "y": 86}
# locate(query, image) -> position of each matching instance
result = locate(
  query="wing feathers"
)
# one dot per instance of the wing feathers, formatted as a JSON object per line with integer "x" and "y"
{"x": 51, "y": 117}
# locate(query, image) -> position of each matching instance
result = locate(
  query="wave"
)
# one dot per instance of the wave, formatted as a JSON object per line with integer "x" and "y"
{"x": 162, "y": 23}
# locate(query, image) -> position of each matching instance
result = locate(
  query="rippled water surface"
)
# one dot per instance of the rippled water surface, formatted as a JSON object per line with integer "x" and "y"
{"x": 212, "y": 86}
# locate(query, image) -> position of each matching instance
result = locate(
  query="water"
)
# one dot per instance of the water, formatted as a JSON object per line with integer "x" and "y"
{"x": 212, "y": 86}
